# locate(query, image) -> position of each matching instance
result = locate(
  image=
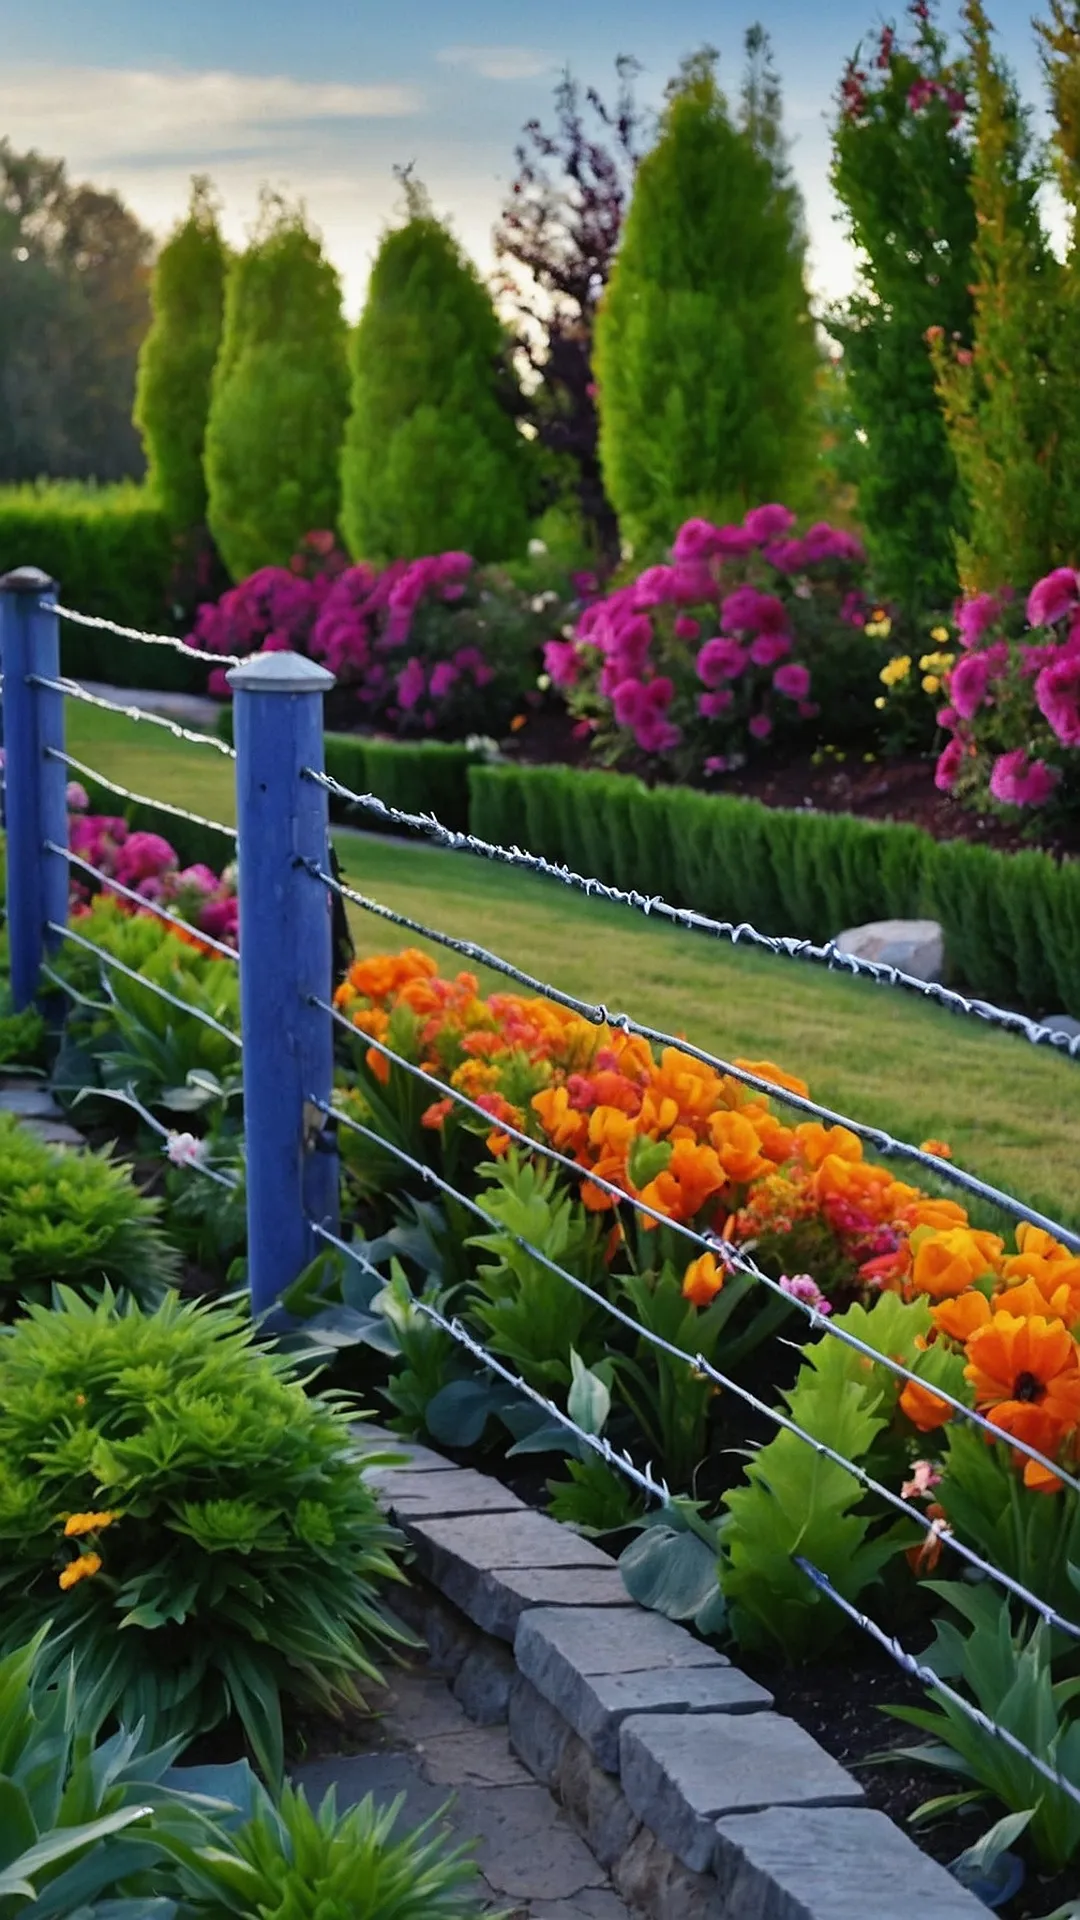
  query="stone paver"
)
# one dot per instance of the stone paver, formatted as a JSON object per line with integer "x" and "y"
{"x": 682, "y": 1772}
{"x": 494, "y": 1566}
{"x": 33, "y": 1105}
{"x": 831, "y": 1864}
{"x": 533, "y": 1864}
{"x": 413, "y": 1495}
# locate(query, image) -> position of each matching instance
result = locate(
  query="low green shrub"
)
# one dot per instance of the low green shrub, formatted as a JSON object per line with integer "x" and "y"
{"x": 112, "y": 554}
{"x": 75, "y": 1217}
{"x": 1011, "y": 921}
{"x": 197, "y": 1526}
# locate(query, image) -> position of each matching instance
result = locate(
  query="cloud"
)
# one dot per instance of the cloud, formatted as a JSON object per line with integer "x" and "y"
{"x": 91, "y": 114}
{"x": 498, "y": 63}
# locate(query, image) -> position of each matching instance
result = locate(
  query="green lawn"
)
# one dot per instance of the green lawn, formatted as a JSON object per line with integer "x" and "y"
{"x": 1010, "y": 1112}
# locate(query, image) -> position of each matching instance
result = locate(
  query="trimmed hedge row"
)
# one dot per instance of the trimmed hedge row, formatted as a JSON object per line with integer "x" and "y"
{"x": 418, "y": 776}
{"x": 1011, "y": 921}
{"x": 111, "y": 552}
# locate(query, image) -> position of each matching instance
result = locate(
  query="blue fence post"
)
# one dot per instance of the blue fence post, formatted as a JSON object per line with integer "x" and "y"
{"x": 35, "y": 784}
{"x": 286, "y": 956}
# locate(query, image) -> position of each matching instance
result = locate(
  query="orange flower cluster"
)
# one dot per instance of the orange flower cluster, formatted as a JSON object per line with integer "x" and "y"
{"x": 701, "y": 1148}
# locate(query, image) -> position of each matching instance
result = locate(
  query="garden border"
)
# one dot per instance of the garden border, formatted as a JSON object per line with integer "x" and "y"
{"x": 699, "y": 1800}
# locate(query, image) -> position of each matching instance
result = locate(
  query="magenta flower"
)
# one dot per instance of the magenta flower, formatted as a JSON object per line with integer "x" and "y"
{"x": 628, "y": 702}
{"x": 768, "y": 523}
{"x": 411, "y": 684}
{"x": 144, "y": 856}
{"x": 949, "y": 762}
{"x": 654, "y": 588}
{"x": 77, "y": 797}
{"x": 712, "y": 705}
{"x": 974, "y": 616}
{"x": 693, "y": 582}
{"x": 561, "y": 662}
{"x": 1053, "y": 597}
{"x": 686, "y": 628}
{"x": 1019, "y": 782}
{"x": 768, "y": 648}
{"x": 1057, "y": 693}
{"x": 948, "y": 717}
{"x": 968, "y": 682}
{"x": 733, "y": 542}
{"x": 695, "y": 540}
{"x": 748, "y": 611}
{"x": 716, "y": 763}
{"x": 792, "y": 680}
{"x": 808, "y": 709}
{"x": 760, "y": 726}
{"x": 443, "y": 677}
{"x": 720, "y": 659}
{"x": 800, "y": 1286}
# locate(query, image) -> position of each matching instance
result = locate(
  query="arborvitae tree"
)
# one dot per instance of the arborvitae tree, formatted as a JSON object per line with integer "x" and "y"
{"x": 901, "y": 170}
{"x": 279, "y": 397}
{"x": 433, "y": 459}
{"x": 176, "y": 365}
{"x": 705, "y": 349}
{"x": 1059, "y": 39}
{"x": 1005, "y": 415}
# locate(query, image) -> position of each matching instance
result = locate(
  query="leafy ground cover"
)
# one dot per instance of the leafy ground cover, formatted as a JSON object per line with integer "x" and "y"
{"x": 1006, "y": 1109}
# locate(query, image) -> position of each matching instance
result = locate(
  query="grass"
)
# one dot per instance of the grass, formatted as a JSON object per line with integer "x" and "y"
{"x": 1011, "y": 1112}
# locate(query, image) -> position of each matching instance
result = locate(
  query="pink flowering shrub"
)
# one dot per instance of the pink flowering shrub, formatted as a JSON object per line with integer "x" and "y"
{"x": 435, "y": 645}
{"x": 1012, "y": 709}
{"x": 146, "y": 864}
{"x": 741, "y": 637}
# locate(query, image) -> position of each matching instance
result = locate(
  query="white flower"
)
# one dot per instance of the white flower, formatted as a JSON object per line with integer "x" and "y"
{"x": 536, "y": 548}
{"x": 185, "y": 1150}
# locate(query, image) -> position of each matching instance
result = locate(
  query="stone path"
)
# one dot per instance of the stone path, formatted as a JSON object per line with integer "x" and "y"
{"x": 533, "y": 1864}
{"x": 32, "y": 1103}
{"x": 191, "y": 709}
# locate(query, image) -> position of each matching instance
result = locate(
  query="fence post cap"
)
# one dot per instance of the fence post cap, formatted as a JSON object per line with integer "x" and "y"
{"x": 280, "y": 673}
{"x": 27, "y": 580}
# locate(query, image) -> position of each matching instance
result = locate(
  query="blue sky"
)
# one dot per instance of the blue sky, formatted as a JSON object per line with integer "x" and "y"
{"x": 323, "y": 101}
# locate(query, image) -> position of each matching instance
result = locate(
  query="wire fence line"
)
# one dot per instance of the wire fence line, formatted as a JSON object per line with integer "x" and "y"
{"x": 600, "y": 1015}
{"x": 142, "y": 980}
{"x": 111, "y": 885}
{"x": 737, "y": 932}
{"x": 138, "y": 799}
{"x": 101, "y": 625}
{"x": 73, "y": 691}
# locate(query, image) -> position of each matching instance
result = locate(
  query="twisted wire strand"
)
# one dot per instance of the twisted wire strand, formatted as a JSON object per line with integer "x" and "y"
{"x": 140, "y": 900}
{"x": 600, "y": 1015}
{"x": 141, "y": 980}
{"x": 101, "y": 625}
{"x": 928, "y": 1678}
{"x": 736, "y": 932}
{"x": 697, "y": 1363}
{"x": 138, "y": 799}
{"x": 72, "y": 691}
{"x": 127, "y": 1098}
{"x": 732, "y": 1256}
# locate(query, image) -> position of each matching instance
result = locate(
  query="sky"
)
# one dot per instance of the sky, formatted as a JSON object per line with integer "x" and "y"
{"x": 322, "y": 101}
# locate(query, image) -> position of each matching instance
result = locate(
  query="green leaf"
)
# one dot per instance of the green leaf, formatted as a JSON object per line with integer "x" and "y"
{"x": 670, "y": 1573}
{"x": 460, "y": 1411}
{"x": 589, "y": 1400}
{"x": 59, "y": 1845}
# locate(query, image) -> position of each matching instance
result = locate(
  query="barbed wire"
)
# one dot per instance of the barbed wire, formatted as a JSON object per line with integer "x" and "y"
{"x": 698, "y": 1363}
{"x": 600, "y": 1015}
{"x": 72, "y": 691}
{"x": 138, "y": 799}
{"x": 929, "y": 1678}
{"x": 730, "y": 1255}
{"x": 140, "y": 900}
{"x": 192, "y": 1163}
{"x": 101, "y": 625}
{"x": 737, "y": 932}
{"x": 143, "y": 980}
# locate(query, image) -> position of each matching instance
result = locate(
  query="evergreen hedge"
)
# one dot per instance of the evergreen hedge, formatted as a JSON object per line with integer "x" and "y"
{"x": 1011, "y": 921}
{"x": 176, "y": 361}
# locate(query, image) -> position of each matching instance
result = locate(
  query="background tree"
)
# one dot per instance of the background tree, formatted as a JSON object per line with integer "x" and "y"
{"x": 433, "y": 458}
{"x": 1008, "y": 420}
{"x": 556, "y": 241}
{"x": 74, "y": 306}
{"x": 705, "y": 348}
{"x": 901, "y": 169}
{"x": 279, "y": 396}
{"x": 176, "y": 363}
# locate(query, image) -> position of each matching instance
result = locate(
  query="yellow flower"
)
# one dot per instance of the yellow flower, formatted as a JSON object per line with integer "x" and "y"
{"x": 81, "y": 1569}
{"x": 80, "y": 1523}
{"x": 880, "y": 701}
{"x": 898, "y": 669}
{"x": 931, "y": 683}
{"x": 879, "y": 629}
{"x": 940, "y": 635}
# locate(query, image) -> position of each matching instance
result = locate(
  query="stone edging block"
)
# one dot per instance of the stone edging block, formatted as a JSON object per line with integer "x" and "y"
{"x": 705, "y": 1803}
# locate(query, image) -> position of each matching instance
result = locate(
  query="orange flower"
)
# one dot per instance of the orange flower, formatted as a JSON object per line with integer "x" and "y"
{"x": 765, "y": 1070}
{"x": 693, "y": 1176}
{"x": 434, "y": 1115}
{"x": 938, "y": 1148}
{"x": 925, "y": 1211}
{"x": 925, "y": 1558}
{"x": 1031, "y": 1298}
{"x": 80, "y": 1523}
{"x": 702, "y": 1280}
{"x": 566, "y": 1127}
{"x": 695, "y": 1089}
{"x": 1015, "y": 1364}
{"x": 950, "y": 1262}
{"x": 962, "y": 1316}
{"x": 923, "y": 1408}
{"x": 737, "y": 1146}
{"x": 815, "y": 1143}
{"x": 81, "y": 1569}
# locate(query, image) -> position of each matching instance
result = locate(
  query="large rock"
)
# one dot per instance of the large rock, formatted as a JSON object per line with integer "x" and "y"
{"x": 915, "y": 946}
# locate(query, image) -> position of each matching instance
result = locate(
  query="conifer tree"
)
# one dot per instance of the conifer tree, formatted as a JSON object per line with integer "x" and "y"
{"x": 279, "y": 397}
{"x": 176, "y": 363}
{"x": 705, "y": 349}
{"x": 433, "y": 459}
